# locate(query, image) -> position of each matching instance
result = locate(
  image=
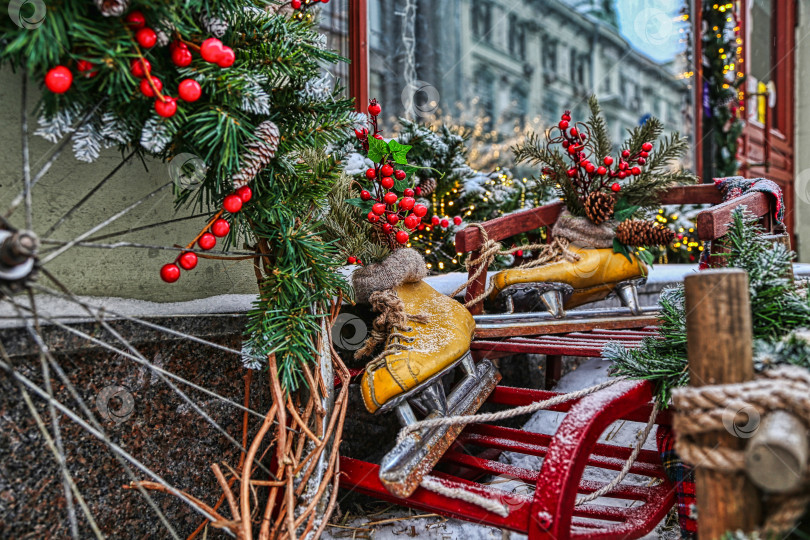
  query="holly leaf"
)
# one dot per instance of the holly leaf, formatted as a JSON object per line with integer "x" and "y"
{"x": 402, "y": 185}
{"x": 646, "y": 256}
{"x": 365, "y": 206}
{"x": 377, "y": 149}
{"x": 400, "y": 152}
{"x": 623, "y": 210}
{"x": 618, "y": 247}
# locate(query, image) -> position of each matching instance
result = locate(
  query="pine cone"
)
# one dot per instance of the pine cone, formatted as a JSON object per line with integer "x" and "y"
{"x": 636, "y": 232}
{"x": 428, "y": 186}
{"x": 599, "y": 207}
{"x": 258, "y": 153}
{"x": 214, "y": 25}
{"x": 112, "y": 8}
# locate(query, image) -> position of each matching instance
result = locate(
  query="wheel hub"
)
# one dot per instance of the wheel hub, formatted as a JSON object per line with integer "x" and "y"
{"x": 18, "y": 254}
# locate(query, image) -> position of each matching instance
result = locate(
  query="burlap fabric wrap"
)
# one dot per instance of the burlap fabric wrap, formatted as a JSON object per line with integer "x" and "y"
{"x": 582, "y": 232}
{"x": 402, "y": 266}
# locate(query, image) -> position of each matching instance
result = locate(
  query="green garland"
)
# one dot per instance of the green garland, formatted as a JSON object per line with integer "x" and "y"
{"x": 276, "y": 76}
{"x": 777, "y": 308}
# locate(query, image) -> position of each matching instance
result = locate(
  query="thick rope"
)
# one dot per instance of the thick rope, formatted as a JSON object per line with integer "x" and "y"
{"x": 557, "y": 249}
{"x": 436, "y": 486}
{"x": 392, "y": 316}
{"x": 702, "y": 410}
{"x": 627, "y": 464}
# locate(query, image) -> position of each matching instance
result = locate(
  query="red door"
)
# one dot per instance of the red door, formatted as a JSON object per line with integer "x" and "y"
{"x": 767, "y": 145}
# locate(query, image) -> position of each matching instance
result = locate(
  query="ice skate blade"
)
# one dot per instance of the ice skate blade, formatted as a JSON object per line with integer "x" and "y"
{"x": 394, "y": 402}
{"x": 403, "y": 468}
{"x": 627, "y": 291}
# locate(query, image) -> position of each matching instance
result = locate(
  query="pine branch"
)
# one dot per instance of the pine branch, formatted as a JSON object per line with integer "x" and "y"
{"x": 600, "y": 139}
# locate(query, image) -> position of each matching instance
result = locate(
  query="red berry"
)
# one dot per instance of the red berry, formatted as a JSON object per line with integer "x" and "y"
{"x": 135, "y": 20}
{"x": 407, "y": 203}
{"x": 221, "y": 228}
{"x": 378, "y": 137}
{"x": 417, "y": 191}
{"x": 445, "y": 223}
{"x": 146, "y": 38}
{"x": 572, "y": 172}
{"x": 371, "y": 174}
{"x": 566, "y": 117}
{"x": 387, "y": 182}
{"x": 227, "y": 59}
{"x": 146, "y": 88}
{"x": 563, "y": 124}
{"x": 211, "y": 50}
{"x": 365, "y": 195}
{"x": 189, "y": 90}
{"x": 167, "y": 107}
{"x": 625, "y": 154}
{"x": 295, "y": 4}
{"x": 378, "y": 208}
{"x": 181, "y": 56}
{"x": 188, "y": 260}
{"x": 519, "y": 253}
{"x": 170, "y": 273}
{"x": 591, "y": 168}
{"x": 636, "y": 171}
{"x": 408, "y": 192}
{"x": 140, "y": 67}
{"x": 622, "y": 175}
{"x": 400, "y": 175}
{"x": 641, "y": 161}
{"x": 245, "y": 193}
{"x": 573, "y": 149}
{"x": 457, "y": 220}
{"x": 412, "y": 221}
{"x": 402, "y": 237}
{"x": 207, "y": 241}
{"x": 351, "y": 260}
{"x": 421, "y": 227}
{"x": 623, "y": 165}
{"x": 373, "y": 218}
{"x": 387, "y": 170}
{"x": 645, "y": 154}
{"x": 361, "y": 133}
{"x": 647, "y": 146}
{"x": 616, "y": 187}
{"x": 393, "y": 219}
{"x": 573, "y": 132}
{"x": 601, "y": 171}
{"x": 566, "y": 144}
{"x": 387, "y": 228}
{"x": 435, "y": 220}
{"x": 374, "y": 109}
{"x": 420, "y": 210}
{"x": 59, "y": 79}
{"x": 88, "y": 69}
{"x": 390, "y": 198}
{"x": 232, "y": 203}
{"x": 608, "y": 161}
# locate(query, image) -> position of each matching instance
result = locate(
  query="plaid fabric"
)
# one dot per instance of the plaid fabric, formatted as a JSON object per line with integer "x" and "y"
{"x": 683, "y": 476}
{"x": 737, "y": 186}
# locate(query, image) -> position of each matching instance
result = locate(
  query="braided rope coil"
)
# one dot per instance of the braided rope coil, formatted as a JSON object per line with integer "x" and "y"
{"x": 714, "y": 407}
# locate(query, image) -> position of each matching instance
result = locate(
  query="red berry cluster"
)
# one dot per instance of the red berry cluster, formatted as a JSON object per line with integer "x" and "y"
{"x": 396, "y": 215}
{"x": 303, "y": 5}
{"x": 583, "y": 173}
{"x": 207, "y": 239}
{"x": 60, "y": 78}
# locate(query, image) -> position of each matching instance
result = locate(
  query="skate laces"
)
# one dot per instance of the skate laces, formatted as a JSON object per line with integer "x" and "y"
{"x": 390, "y": 323}
{"x": 557, "y": 249}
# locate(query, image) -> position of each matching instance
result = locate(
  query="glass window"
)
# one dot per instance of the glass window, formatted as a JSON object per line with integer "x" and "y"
{"x": 762, "y": 44}
{"x": 487, "y": 64}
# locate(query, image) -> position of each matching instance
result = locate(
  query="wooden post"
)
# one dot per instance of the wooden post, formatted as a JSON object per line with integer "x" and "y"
{"x": 719, "y": 347}
{"x": 358, "y": 53}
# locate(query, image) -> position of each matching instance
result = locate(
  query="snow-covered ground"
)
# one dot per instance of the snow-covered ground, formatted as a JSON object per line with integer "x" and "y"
{"x": 397, "y": 523}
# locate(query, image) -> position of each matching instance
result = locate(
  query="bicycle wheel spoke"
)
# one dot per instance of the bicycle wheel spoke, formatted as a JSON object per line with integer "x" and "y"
{"x": 89, "y": 194}
{"x": 145, "y": 227}
{"x": 96, "y": 430}
{"x": 26, "y": 165}
{"x": 117, "y": 245}
{"x": 103, "y": 224}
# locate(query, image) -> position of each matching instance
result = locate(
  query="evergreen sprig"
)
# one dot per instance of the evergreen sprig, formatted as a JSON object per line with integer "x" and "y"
{"x": 777, "y": 308}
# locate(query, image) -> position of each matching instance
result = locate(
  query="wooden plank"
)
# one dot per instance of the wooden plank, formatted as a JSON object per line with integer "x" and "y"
{"x": 714, "y": 222}
{"x": 469, "y": 238}
{"x": 696, "y": 194}
{"x": 720, "y": 349}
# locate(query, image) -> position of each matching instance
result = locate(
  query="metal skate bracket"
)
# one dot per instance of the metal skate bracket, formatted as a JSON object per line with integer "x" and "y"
{"x": 552, "y": 295}
{"x": 403, "y": 468}
{"x": 627, "y": 291}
